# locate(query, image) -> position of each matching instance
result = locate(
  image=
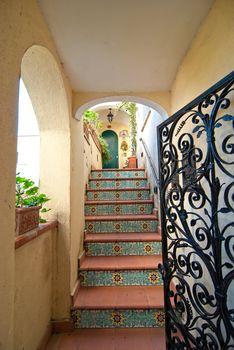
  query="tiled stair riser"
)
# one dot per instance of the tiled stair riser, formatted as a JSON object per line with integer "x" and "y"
{"x": 132, "y": 187}
{"x": 115, "y": 183}
{"x": 118, "y": 195}
{"x": 118, "y": 209}
{"x": 118, "y": 318}
{"x": 121, "y": 226}
{"x": 123, "y": 248}
{"x": 115, "y": 174}
{"x": 120, "y": 278}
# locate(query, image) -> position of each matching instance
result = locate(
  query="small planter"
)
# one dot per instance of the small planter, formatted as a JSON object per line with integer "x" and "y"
{"x": 132, "y": 162}
{"x": 26, "y": 219}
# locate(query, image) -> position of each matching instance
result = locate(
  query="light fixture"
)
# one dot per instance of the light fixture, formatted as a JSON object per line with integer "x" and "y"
{"x": 110, "y": 116}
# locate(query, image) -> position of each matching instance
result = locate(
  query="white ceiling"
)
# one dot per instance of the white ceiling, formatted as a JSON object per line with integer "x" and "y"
{"x": 123, "y": 45}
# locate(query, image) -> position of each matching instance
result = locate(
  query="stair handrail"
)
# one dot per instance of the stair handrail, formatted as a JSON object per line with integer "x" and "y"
{"x": 147, "y": 152}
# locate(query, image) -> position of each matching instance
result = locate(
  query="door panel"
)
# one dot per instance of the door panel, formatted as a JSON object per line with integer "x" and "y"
{"x": 112, "y": 139}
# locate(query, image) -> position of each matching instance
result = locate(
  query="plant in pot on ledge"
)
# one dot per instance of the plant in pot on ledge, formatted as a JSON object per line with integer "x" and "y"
{"x": 131, "y": 109}
{"x": 29, "y": 203}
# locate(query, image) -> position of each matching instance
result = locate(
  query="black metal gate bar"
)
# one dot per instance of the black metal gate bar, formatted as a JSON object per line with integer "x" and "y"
{"x": 196, "y": 177}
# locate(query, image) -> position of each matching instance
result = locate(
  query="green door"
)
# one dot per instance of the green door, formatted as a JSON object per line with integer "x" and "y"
{"x": 112, "y": 139}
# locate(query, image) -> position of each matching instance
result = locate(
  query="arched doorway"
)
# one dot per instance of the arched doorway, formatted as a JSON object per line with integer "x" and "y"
{"x": 112, "y": 139}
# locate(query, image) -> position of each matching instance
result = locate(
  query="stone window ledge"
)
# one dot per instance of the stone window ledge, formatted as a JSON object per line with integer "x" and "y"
{"x": 29, "y": 236}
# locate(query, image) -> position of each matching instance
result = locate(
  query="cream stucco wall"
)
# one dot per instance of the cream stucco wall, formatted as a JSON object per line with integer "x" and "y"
{"x": 22, "y": 26}
{"x": 210, "y": 56}
{"x": 92, "y": 157}
{"x": 33, "y": 291}
{"x": 46, "y": 88}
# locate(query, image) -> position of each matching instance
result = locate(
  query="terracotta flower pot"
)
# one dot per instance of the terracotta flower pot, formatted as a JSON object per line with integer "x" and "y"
{"x": 132, "y": 162}
{"x": 26, "y": 219}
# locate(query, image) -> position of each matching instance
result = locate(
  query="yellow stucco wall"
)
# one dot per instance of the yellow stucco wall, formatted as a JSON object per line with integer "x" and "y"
{"x": 210, "y": 56}
{"x": 160, "y": 97}
{"x": 33, "y": 291}
{"x": 22, "y": 26}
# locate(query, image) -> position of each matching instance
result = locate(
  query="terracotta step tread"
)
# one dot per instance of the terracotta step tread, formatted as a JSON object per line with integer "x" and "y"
{"x": 110, "y": 339}
{"x": 133, "y": 262}
{"x": 129, "y": 201}
{"x": 146, "y": 188}
{"x": 117, "y": 169}
{"x": 120, "y": 217}
{"x": 122, "y": 237}
{"x": 120, "y": 297}
{"x": 118, "y": 178}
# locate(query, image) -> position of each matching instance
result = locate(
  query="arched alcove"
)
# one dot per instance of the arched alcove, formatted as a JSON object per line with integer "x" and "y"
{"x": 45, "y": 85}
{"x": 147, "y": 143}
{"x": 79, "y": 112}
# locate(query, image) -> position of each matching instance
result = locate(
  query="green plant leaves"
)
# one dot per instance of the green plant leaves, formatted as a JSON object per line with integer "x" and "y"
{"x": 27, "y": 194}
{"x": 131, "y": 109}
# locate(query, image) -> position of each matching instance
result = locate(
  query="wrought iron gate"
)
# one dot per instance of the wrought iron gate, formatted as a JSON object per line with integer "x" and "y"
{"x": 196, "y": 153}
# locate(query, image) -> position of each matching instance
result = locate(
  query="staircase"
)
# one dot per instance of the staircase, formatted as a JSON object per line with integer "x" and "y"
{"x": 121, "y": 292}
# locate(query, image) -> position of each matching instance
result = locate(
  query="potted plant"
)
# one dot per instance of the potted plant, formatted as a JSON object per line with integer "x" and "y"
{"x": 29, "y": 203}
{"x": 130, "y": 108}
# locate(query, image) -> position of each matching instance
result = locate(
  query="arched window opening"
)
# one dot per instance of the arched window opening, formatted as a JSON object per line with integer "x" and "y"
{"x": 28, "y": 137}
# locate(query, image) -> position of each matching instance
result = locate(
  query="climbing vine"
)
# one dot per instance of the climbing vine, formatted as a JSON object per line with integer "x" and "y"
{"x": 131, "y": 109}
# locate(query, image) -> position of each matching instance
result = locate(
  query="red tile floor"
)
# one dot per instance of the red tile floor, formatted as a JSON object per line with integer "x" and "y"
{"x": 110, "y": 339}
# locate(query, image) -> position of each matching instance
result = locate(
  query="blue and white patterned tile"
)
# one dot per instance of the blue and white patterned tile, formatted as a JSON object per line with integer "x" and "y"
{"x": 96, "y": 226}
{"x": 118, "y": 195}
{"x": 118, "y": 209}
{"x": 123, "y": 248}
{"x": 95, "y": 174}
{"x": 120, "y": 278}
{"x": 118, "y": 184}
{"x": 113, "y": 318}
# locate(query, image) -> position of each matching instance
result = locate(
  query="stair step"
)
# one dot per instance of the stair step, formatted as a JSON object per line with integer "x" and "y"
{"x": 122, "y": 183}
{"x": 118, "y": 194}
{"x": 110, "y": 339}
{"x": 120, "y": 271}
{"x": 123, "y": 223}
{"x": 121, "y": 318}
{"x": 115, "y": 173}
{"x": 134, "y": 306}
{"x": 127, "y": 297}
{"x": 118, "y": 208}
{"x": 120, "y": 262}
{"x": 122, "y": 248}
{"x": 123, "y": 217}
{"x": 122, "y": 237}
{"x": 126, "y": 277}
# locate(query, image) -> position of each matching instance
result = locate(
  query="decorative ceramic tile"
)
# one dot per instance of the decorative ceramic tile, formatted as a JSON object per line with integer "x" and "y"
{"x": 103, "y": 184}
{"x": 123, "y": 248}
{"x": 118, "y": 209}
{"x": 117, "y": 173}
{"x": 121, "y": 226}
{"x": 120, "y": 278}
{"x": 113, "y": 318}
{"x": 118, "y": 195}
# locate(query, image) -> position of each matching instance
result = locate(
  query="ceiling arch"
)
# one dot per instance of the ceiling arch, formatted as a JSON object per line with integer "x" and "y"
{"x": 106, "y": 100}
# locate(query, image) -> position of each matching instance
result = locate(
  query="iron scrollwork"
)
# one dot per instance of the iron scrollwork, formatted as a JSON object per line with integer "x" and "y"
{"x": 196, "y": 151}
